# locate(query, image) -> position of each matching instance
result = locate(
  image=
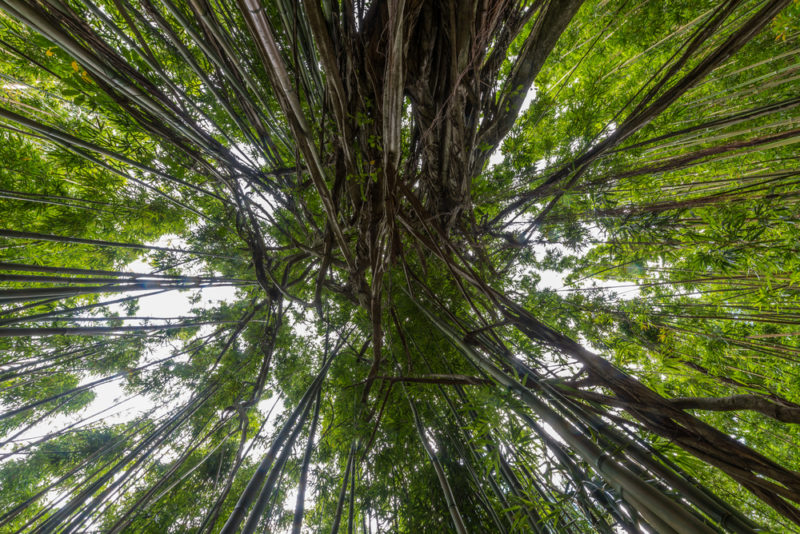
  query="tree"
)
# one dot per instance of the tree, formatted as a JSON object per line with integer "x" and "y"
{"x": 392, "y": 359}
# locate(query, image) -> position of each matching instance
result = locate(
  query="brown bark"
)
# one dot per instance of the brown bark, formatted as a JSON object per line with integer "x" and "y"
{"x": 540, "y": 42}
{"x": 780, "y": 411}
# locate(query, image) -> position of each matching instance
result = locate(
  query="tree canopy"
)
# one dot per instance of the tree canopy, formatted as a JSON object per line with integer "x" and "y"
{"x": 487, "y": 266}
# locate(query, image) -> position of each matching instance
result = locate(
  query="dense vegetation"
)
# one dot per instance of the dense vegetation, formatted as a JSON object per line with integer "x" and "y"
{"x": 487, "y": 266}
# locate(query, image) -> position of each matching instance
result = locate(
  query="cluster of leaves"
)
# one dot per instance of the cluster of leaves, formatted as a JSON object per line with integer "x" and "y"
{"x": 390, "y": 353}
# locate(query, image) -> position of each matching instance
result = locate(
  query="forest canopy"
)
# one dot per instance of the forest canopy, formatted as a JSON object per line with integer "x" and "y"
{"x": 399, "y": 266}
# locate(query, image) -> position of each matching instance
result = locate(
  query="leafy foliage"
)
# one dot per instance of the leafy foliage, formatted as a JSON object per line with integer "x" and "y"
{"x": 487, "y": 266}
